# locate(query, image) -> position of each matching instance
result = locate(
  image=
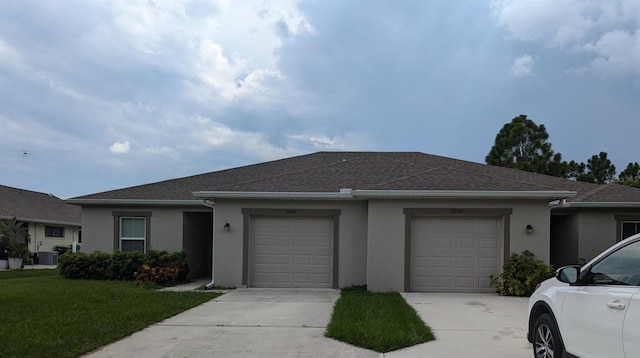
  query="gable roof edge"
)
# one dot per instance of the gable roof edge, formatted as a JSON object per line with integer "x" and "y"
{"x": 133, "y": 202}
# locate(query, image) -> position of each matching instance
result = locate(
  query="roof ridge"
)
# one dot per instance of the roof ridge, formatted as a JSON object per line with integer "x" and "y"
{"x": 365, "y": 154}
{"x": 30, "y": 191}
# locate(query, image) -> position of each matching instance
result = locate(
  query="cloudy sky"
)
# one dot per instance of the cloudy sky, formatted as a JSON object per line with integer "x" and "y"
{"x": 98, "y": 95}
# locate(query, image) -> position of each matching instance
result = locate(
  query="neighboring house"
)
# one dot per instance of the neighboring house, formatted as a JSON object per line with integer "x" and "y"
{"x": 51, "y": 221}
{"x": 596, "y": 218}
{"x": 394, "y": 221}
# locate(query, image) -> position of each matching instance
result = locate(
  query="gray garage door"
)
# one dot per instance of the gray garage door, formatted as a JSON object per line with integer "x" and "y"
{"x": 291, "y": 252}
{"x": 453, "y": 254}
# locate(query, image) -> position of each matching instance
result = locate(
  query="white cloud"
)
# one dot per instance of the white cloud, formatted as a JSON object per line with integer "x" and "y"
{"x": 228, "y": 52}
{"x": 618, "y": 52}
{"x": 119, "y": 147}
{"x": 522, "y": 66}
{"x": 607, "y": 29}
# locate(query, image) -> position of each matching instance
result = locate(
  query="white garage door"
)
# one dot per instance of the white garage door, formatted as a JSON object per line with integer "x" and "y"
{"x": 453, "y": 254}
{"x": 291, "y": 252}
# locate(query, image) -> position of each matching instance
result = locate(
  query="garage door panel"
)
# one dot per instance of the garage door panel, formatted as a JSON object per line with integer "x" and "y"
{"x": 322, "y": 260}
{"x": 453, "y": 254}
{"x": 488, "y": 243}
{"x": 291, "y": 252}
{"x": 281, "y": 259}
{"x": 466, "y": 262}
{"x": 485, "y": 283}
{"x": 468, "y": 282}
{"x": 487, "y": 263}
{"x": 302, "y": 278}
{"x": 443, "y": 262}
{"x": 443, "y": 282}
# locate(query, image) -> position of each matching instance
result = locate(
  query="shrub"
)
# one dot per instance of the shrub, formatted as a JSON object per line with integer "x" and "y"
{"x": 520, "y": 275}
{"x": 124, "y": 265}
{"x": 164, "y": 267}
{"x": 158, "y": 275}
{"x": 74, "y": 265}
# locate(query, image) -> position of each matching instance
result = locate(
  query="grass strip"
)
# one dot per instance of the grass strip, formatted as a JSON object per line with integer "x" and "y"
{"x": 45, "y": 315}
{"x": 381, "y": 322}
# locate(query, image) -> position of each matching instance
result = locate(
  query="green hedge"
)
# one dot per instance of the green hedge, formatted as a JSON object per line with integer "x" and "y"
{"x": 119, "y": 265}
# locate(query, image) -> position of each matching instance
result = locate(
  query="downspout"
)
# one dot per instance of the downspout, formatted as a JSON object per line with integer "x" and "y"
{"x": 212, "y": 205}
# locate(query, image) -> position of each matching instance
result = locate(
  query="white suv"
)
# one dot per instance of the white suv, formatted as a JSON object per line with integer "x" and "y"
{"x": 590, "y": 311}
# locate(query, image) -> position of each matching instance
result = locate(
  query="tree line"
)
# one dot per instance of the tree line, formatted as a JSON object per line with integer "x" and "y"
{"x": 522, "y": 144}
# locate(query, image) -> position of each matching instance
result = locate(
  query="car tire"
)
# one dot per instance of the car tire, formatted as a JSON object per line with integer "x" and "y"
{"x": 546, "y": 338}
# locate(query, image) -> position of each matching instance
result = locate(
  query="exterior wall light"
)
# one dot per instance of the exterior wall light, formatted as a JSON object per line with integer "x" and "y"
{"x": 226, "y": 227}
{"x": 529, "y": 229}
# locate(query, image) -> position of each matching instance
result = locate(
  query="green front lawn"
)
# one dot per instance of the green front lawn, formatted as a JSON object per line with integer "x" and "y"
{"x": 45, "y": 315}
{"x": 382, "y": 322}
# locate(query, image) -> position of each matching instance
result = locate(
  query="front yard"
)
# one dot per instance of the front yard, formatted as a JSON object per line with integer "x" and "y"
{"x": 45, "y": 315}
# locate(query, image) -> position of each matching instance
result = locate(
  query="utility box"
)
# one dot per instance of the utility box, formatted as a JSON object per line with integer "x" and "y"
{"x": 48, "y": 258}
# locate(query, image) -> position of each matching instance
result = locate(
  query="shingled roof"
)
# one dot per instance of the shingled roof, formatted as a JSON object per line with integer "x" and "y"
{"x": 32, "y": 206}
{"x": 329, "y": 172}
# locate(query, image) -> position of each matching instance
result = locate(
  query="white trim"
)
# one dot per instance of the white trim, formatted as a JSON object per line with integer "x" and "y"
{"x": 598, "y": 205}
{"x": 271, "y": 195}
{"x": 464, "y": 194}
{"x": 367, "y": 194}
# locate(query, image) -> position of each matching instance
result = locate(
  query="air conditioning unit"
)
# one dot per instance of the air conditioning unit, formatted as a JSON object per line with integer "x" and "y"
{"x": 48, "y": 258}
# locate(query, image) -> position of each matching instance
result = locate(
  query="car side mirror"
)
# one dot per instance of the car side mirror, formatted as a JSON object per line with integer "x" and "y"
{"x": 568, "y": 274}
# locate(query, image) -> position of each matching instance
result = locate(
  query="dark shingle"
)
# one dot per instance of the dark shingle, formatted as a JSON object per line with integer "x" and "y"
{"x": 331, "y": 171}
{"x": 33, "y": 206}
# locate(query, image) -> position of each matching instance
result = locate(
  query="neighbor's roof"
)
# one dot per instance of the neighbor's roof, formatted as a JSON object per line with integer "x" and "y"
{"x": 329, "y": 172}
{"x": 32, "y": 206}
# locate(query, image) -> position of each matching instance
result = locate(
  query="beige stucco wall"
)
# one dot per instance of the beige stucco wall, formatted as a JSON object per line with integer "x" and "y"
{"x": 386, "y": 234}
{"x": 165, "y": 231}
{"x": 371, "y": 234}
{"x": 40, "y": 242}
{"x": 352, "y": 237}
{"x": 597, "y": 230}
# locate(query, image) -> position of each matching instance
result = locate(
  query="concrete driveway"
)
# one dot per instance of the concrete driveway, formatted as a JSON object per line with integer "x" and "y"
{"x": 291, "y": 323}
{"x": 470, "y": 325}
{"x": 243, "y": 323}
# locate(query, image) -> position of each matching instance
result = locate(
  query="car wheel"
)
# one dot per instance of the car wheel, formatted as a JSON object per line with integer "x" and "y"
{"x": 546, "y": 338}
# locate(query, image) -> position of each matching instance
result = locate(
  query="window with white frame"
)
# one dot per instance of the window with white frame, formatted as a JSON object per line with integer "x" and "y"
{"x": 133, "y": 233}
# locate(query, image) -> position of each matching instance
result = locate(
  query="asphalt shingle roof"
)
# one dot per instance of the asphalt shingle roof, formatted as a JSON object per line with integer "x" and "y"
{"x": 331, "y": 171}
{"x": 33, "y": 206}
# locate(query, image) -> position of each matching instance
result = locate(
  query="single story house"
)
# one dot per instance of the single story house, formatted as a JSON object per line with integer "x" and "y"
{"x": 396, "y": 221}
{"x": 51, "y": 221}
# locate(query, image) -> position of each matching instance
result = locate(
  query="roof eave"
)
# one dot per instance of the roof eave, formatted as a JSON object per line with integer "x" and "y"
{"x": 369, "y": 194}
{"x": 341, "y": 195}
{"x": 587, "y": 204}
{"x": 464, "y": 194}
{"x": 43, "y": 221}
{"x": 88, "y": 202}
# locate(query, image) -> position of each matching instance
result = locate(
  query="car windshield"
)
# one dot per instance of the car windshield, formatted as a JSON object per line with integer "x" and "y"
{"x": 621, "y": 267}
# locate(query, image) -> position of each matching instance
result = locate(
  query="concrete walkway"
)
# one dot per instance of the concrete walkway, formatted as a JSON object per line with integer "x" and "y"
{"x": 243, "y": 323}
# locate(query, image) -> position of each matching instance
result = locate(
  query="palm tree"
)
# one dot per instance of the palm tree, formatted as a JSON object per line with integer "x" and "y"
{"x": 15, "y": 236}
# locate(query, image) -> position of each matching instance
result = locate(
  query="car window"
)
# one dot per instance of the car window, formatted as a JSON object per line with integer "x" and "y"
{"x": 621, "y": 267}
